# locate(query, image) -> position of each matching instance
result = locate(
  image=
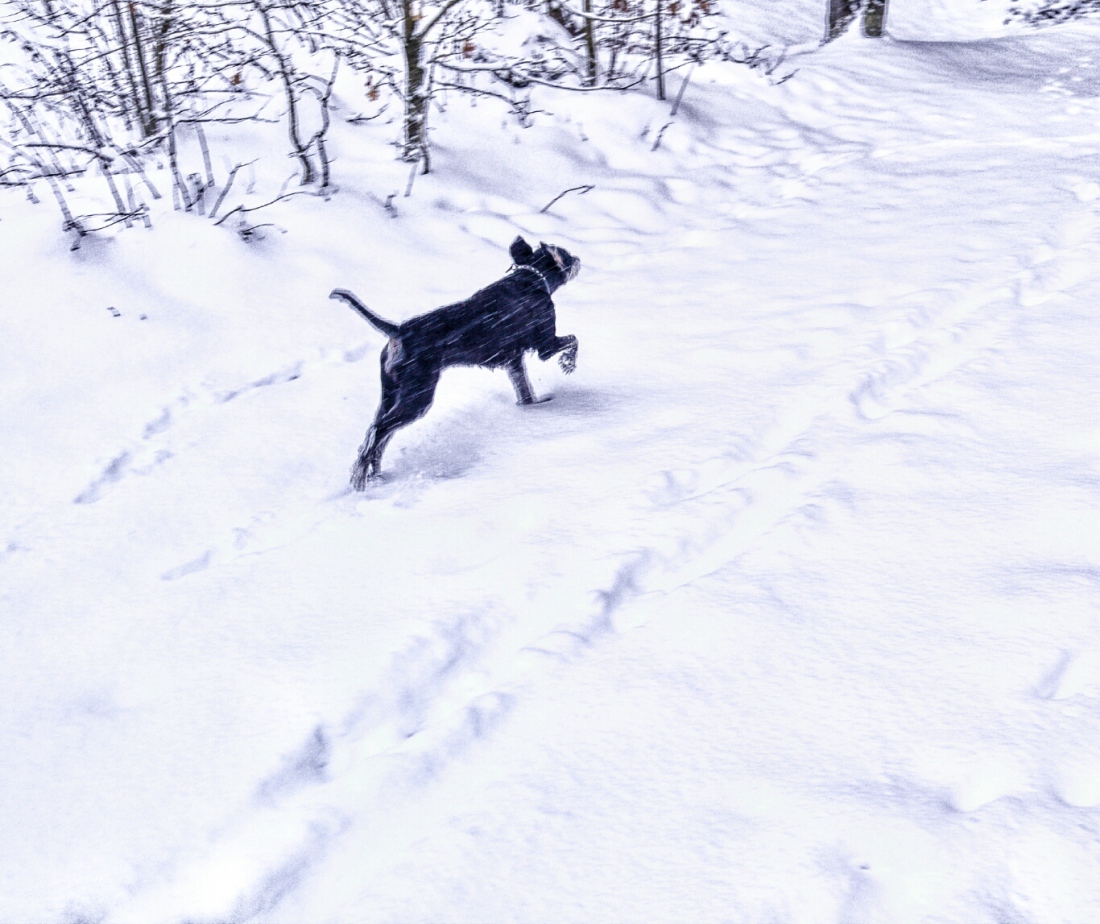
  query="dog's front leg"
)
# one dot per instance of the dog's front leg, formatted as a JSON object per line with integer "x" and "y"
{"x": 568, "y": 358}
{"x": 517, "y": 372}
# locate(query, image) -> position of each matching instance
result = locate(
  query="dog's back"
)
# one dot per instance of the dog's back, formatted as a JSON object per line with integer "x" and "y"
{"x": 509, "y": 317}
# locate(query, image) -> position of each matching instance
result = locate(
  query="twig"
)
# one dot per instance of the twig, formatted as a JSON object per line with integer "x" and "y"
{"x": 680, "y": 95}
{"x": 318, "y": 139}
{"x": 357, "y": 119}
{"x": 135, "y": 165}
{"x": 594, "y": 17}
{"x": 412, "y": 177}
{"x": 114, "y": 218}
{"x": 579, "y": 190}
{"x": 178, "y": 182}
{"x": 226, "y": 188}
{"x": 248, "y": 233}
{"x": 201, "y": 135}
{"x": 660, "y": 135}
{"x": 497, "y": 69}
{"x": 255, "y": 208}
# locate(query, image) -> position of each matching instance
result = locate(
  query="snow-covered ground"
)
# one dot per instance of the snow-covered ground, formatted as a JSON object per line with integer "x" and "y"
{"x": 785, "y": 609}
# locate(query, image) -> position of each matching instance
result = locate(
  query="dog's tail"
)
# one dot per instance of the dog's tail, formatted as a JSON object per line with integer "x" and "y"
{"x": 387, "y": 327}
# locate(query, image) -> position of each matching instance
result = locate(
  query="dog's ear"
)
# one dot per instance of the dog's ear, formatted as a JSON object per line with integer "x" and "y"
{"x": 521, "y": 251}
{"x": 553, "y": 251}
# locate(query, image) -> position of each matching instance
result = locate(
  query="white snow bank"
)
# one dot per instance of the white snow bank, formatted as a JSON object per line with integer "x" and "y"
{"x": 948, "y": 20}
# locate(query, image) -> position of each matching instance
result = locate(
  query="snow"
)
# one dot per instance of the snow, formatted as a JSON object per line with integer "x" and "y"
{"x": 784, "y": 608}
{"x": 949, "y": 20}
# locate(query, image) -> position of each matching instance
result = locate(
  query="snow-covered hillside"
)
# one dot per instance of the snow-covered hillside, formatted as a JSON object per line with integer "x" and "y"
{"x": 784, "y": 609}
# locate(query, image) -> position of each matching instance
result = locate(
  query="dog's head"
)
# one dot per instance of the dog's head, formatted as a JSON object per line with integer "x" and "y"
{"x": 556, "y": 264}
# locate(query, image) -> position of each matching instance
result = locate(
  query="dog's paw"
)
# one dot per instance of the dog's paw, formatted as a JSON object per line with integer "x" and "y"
{"x": 360, "y": 475}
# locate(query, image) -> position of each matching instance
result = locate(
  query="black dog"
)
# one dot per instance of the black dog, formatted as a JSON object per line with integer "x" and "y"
{"x": 493, "y": 327}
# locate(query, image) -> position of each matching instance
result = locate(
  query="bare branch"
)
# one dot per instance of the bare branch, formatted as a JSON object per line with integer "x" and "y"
{"x": 579, "y": 190}
{"x": 228, "y": 185}
{"x": 244, "y": 210}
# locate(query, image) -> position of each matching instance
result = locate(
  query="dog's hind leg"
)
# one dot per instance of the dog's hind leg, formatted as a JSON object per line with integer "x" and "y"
{"x": 403, "y": 401}
{"x": 517, "y": 372}
{"x": 370, "y": 452}
{"x": 367, "y": 462}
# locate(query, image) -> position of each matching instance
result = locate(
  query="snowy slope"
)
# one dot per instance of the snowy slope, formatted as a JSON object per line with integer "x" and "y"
{"x": 784, "y": 608}
{"x": 949, "y": 20}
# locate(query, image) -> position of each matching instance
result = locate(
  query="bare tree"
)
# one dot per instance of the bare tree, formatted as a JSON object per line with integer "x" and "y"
{"x": 841, "y": 13}
{"x": 94, "y": 92}
{"x": 874, "y": 18}
{"x": 101, "y": 87}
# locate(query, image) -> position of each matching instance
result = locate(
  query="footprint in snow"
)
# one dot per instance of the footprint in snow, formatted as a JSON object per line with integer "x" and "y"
{"x": 968, "y": 781}
{"x": 1077, "y": 782}
{"x": 113, "y": 472}
{"x": 122, "y": 465}
{"x": 197, "y": 564}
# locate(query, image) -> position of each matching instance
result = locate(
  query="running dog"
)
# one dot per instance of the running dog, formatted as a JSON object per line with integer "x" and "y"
{"x": 493, "y": 327}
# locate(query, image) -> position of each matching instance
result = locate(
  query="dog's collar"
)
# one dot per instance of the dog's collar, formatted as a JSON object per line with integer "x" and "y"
{"x": 545, "y": 281}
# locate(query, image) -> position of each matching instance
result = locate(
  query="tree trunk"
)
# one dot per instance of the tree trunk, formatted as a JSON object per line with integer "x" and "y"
{"x": 150, "y": 123}
{"x": 160, "y": 39}
{"x": 590, "y": 47}
{"x": 136, "y": 103}
{"x": 301, "y": 151}
{"x": 416, "y": 88}
{"x": 874, "y": 18}
{"x": 659, "y": 49}
{"x": 841, "y": 14}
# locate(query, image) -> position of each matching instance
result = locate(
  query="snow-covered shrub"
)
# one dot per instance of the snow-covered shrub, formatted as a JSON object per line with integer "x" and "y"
{"x": 95, "y": 92}
{"x": 1049, "y": 12}
{"x": 104, "y": 87}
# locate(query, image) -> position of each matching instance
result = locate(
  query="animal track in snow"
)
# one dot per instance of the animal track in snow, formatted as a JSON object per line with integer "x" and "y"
{"x": 289, "y": 374}
{"x": 119, "y": 467}
{"x": 113, "y": 472}
{"x": 190, "y": 567}
{"x": 1077, "y": 781}
{"x": 968, "y": 781}
{"x": 1062, "y": 262}
{"x": 738, "y": 498}
{"x": 958, "y": 335}
{"x": 142, "y": 456}
{"x": 265, "y": 531}
{"x": 884, "y": 388}
{"x": 1076, "y": 674}
{"x": 730, "y": 520}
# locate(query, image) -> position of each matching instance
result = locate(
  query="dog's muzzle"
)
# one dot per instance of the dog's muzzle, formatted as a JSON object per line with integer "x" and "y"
{"x": 575, "y": 268}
